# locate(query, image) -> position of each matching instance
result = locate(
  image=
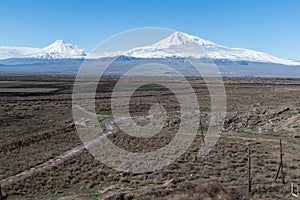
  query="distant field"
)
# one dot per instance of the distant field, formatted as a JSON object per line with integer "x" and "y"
{"x": 26, "y": 90}
{"x": 24, "y": 83}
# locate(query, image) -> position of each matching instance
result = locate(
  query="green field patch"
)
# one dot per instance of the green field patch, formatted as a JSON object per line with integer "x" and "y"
{"x": 25, "y": 82}
{"x": 26, "y": 90}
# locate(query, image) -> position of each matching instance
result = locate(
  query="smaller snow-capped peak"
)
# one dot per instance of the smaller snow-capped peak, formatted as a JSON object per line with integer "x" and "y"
{"x": 57, "y": 50}
{"x": 179, "y": 38}
{"x": 61, "y": 49}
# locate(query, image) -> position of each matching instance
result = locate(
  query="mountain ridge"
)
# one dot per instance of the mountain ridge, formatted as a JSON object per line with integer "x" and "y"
{"x": 173, "y": 45}
{"x": 56, "y": 50}
{"x": 178, "y": 44}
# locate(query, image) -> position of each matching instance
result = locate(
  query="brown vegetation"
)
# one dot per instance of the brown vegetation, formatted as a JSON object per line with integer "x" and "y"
{"x": 37, "y": 127}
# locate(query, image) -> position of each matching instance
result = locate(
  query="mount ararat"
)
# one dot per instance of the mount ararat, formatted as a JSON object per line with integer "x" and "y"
{"x": 165, "y": 48}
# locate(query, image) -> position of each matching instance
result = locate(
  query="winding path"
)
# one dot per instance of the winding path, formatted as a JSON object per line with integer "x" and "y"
{"x": 109, "y": 129}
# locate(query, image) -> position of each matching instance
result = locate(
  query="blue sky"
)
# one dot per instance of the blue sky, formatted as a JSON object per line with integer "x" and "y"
{"x": 272, "y": 26}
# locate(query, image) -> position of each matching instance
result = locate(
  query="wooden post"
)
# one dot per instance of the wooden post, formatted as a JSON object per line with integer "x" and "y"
{"x": 249, "y": 170}
{"x": 280, "y": 168}
{"x": 277, "y": 174}
{"x": 281, "y": 161}
{"x": 1, "y": 196}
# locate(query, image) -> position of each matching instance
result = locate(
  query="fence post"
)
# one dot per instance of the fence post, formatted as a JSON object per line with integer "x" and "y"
{"x": 281, "y": 161}
{"x": 1, "y": 196}
{"x": 249, "y": 169}
{"x": 280, "y": 168}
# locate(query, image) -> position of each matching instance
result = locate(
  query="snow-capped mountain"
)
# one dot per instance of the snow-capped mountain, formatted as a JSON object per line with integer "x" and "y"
{"x": 179, "y": 38}
{"x": 57, "y": 50}
{"x": 184, "y": 45}
{"x": 177, "y": 44}
{"x": 62, "y": 49}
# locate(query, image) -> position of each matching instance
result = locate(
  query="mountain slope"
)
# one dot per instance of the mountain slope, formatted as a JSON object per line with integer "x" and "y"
{"x": 20, "y": 52}
{"x": 193, "y": 46}
{"x": 177, "y": 44}
{"x": 57, "y": 50}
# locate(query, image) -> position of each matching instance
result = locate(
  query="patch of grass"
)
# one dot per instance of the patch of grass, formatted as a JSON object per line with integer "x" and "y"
{"x": 26, "y": 90}
{"x": 15, "y": 83}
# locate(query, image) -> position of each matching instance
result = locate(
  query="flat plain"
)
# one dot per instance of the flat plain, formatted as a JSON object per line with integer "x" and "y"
{"x": 37, "y": 126}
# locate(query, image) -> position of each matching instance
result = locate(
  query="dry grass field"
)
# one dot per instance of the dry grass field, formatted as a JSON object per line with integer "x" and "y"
{"x": 37, "y": 125}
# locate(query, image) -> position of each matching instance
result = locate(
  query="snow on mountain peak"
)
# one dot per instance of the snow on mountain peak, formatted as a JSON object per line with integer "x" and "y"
{"x": 61, "y": 49}
{"x": 177, "y": 44}
{"x": 181, "y": 44}
{"x": 179, "y": 38}
{"x": 58, "y": 45}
